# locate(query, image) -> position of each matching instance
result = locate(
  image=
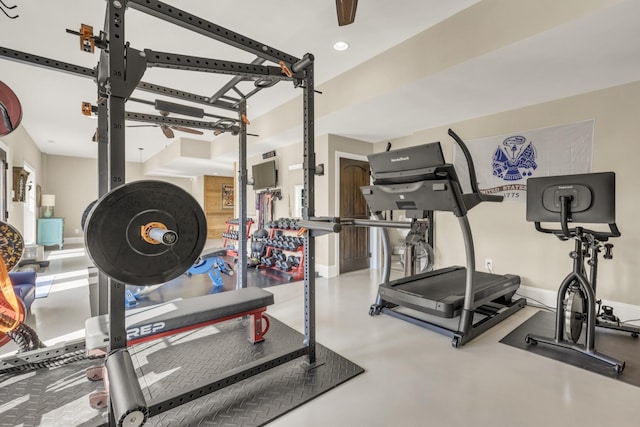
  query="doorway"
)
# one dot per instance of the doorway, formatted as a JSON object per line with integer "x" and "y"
{"x": 354, "y": 241}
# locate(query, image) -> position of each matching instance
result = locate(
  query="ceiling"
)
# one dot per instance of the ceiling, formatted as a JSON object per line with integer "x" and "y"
{"x": 594, "y": 51}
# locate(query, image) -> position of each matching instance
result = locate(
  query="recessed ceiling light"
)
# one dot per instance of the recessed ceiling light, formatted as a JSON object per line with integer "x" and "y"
{"x": 340, "y": 46}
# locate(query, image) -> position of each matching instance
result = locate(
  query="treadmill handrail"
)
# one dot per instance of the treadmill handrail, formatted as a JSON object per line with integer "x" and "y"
{"x": 473, "y": 199}
{"x": 477, "y": 195}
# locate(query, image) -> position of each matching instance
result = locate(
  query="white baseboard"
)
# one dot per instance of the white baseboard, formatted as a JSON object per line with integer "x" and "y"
{"x": 548, "y": 297}
{"x": 74, "y": 240}
{"x": 327, "y": 270}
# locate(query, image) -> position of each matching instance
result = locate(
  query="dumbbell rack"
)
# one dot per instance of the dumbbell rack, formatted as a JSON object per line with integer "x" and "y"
{"x": 296, "y": 273}
{"x": 232, "y": 225}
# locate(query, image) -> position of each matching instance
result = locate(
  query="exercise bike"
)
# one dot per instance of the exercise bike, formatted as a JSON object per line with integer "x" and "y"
{"x": 579, "y": 198}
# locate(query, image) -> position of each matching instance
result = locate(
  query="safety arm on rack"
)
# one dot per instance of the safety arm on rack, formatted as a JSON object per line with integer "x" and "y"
{"x": 321, "y": 226}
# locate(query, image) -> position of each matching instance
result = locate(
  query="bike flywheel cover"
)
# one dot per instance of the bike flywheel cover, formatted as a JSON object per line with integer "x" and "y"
{"x": 574, "y": 314}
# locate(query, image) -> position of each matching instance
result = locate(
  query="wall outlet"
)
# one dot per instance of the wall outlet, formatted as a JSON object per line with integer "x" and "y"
{"x": 488, "y": 264}
{"x": 77, "y": 231}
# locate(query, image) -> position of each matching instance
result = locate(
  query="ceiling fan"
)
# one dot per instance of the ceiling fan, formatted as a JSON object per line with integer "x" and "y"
{"x": 346, "y": 10}
{"x": 168, "y": 129}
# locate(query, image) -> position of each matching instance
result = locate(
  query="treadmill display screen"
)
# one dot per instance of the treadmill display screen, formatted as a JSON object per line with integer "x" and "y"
{"x": 406, "y": 165}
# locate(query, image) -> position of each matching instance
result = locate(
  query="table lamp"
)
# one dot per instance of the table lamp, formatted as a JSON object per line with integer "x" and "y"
{"x": 48, "y": 203}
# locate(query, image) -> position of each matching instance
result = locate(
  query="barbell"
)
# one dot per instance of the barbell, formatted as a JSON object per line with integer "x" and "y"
{"x": 145, "y": 232}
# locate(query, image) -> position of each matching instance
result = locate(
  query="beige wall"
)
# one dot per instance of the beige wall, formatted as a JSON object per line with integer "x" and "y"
{"x": 74, "y": 181}
{"x": 500, "y": 230}
{"x": 20, "y": 150}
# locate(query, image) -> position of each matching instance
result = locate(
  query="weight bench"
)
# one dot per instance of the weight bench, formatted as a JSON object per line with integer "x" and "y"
{"x": 150, "y": 323}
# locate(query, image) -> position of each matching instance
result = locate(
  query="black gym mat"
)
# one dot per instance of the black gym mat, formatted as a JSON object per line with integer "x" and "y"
{"x": 620, "y": 345}
{"x": 59, "y": 397}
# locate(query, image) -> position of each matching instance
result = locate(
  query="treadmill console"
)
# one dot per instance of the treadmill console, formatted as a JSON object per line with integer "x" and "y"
{"x": 412, "y": 164}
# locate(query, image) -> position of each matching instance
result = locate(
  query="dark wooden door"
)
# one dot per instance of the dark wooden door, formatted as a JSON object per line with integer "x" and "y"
{"x": 354, "y": 241}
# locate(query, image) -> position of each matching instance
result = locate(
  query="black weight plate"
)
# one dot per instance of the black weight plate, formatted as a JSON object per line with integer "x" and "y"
{"x": 86, "y": 213}
{"x": 11, "y": 245}
{"x": 114, "y": 242}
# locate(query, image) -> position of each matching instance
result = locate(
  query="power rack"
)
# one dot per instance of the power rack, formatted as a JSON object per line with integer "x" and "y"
{"x": 117, "y": 75}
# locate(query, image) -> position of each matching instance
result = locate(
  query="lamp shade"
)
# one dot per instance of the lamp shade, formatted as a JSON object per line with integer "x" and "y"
{"x": 48, "y": 200}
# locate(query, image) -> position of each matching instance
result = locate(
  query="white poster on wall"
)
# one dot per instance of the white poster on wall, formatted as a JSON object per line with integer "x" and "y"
{"x": 504, "y": 163}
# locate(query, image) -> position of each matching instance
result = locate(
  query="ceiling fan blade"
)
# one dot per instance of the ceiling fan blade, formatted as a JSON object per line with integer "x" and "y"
{"x": 167, "y": 132}
{"x": 141, "y": 126}
{"x": 346, "y": 10}
{"x": 188, "y": 130}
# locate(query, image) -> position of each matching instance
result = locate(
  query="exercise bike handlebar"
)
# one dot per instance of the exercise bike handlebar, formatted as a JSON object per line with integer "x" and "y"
{"x": 566, "y": 233}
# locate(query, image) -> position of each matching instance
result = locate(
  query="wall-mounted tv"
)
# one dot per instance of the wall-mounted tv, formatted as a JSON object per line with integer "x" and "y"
{"x": 264, "y": 175}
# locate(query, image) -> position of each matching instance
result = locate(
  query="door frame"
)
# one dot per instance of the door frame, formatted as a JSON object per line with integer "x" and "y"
{"x": 374, "y": 245}
{"x": 4, "y": 182}
{"x": 30, "y": 207}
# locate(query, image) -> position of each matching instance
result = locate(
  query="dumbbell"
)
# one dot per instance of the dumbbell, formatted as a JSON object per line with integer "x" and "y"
{"x": 269, "y": 261}
{"x": 290, "y": 263}
{"x": 294, "y": 260}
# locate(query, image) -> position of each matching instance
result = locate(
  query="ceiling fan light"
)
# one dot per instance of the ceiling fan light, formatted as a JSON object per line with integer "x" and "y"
{"x": 341, "y": 46}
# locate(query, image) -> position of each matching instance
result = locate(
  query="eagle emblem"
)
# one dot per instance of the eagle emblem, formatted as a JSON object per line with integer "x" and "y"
{"x": 515, "y": 159}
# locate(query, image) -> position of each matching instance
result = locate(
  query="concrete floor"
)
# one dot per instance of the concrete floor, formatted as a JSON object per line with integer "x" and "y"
{"x": 413, "y": 377}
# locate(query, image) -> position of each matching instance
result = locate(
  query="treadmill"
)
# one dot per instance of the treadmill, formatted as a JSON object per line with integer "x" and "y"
{"x": 418, "y": 180}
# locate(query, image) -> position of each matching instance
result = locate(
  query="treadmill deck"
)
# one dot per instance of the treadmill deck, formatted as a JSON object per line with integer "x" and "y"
{"x": 441, "y": 292}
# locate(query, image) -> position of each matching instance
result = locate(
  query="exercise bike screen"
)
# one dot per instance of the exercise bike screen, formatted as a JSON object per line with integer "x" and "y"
{"x": 592, "y": 198}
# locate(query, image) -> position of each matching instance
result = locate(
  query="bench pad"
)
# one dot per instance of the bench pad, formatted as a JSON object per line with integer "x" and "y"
{"x": 146, "y": 321}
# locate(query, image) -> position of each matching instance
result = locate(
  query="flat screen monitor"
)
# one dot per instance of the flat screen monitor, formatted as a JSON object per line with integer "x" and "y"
{"x": 593, "y": 198}
{"x": 406, "y": 165}
{"x": 264, "y": 175}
